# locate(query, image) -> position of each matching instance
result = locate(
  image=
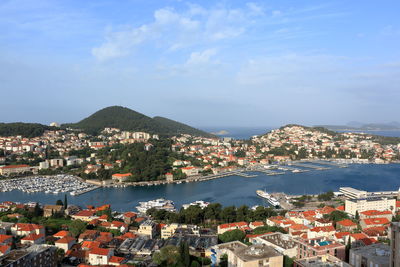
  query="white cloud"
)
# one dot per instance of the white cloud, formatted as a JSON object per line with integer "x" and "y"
{"x": 173, "y": 30}
{"x": 201, "y": 57}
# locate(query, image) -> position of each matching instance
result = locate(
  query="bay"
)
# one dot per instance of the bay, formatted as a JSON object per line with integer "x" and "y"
{"x": 232, "y": 190}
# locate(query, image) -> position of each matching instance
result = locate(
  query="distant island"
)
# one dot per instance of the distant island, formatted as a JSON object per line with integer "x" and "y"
{"x": 356, "y": 126}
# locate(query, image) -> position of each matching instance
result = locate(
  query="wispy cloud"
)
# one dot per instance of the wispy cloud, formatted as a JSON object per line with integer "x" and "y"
{"x": 174, "y": 29}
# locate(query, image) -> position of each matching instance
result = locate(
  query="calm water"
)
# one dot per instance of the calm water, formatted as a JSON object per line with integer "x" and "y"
{"x": 248, "y": 132}
{"x": 394, "y": 133}
{"x": 238, "y": 132}
{"x": 233, "y": 190}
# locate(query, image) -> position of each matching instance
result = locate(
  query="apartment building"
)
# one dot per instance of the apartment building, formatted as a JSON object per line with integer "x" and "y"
{"x": 370, "y": 203}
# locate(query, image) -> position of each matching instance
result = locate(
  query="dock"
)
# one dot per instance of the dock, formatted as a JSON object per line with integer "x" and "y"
{"x": 329, "y": 163}
{"x": 85, "y": 191}
{"x": 263, "y": 170}
{"x": 311, "y": 166}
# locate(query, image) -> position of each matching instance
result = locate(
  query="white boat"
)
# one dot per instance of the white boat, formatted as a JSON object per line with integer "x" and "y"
{"x": 159, "y": 203}
{"x": 271, "y": 200}
{"x": 202, "y": 204}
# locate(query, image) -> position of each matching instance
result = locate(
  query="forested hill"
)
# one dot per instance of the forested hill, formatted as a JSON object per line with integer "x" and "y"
{"x": 175, "y": 127}
{"x": 23, "y": 129}
{"x": 130, "y": 120}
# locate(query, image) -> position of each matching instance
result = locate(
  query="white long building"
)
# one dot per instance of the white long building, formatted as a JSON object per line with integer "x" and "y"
{"x": 370, "y": 203}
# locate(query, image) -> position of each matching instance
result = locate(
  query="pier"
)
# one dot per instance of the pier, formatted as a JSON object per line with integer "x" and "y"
{"x": 197, "y": 178}
{"x": 329, "y": 163}
{"x": 309, "y": 166}
{"x": 263, "y": 170}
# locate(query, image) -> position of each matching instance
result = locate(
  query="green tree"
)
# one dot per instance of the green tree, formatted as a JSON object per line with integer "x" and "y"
{"x": 184, "y": 254}
{"x": 167, "y": 256}
{"x": 228, "y": 214}
{"x": 76, "y": 227}
{"x": 65, "y": 202}
{"x": 287, "y": 261}
{"x": 234, "y": 235}
{"x": 337, "y": 215}
{"x": 266, "y": 229}
{"x": 347, "y": 249}
{"x": 37, "y": 212}
{"x": 59, "y": 202}
{"x": 357, "y": 216}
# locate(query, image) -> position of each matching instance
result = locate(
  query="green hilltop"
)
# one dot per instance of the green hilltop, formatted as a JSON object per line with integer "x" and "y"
{"x": 24, "y": 129}
{"x": 130, "y": 120}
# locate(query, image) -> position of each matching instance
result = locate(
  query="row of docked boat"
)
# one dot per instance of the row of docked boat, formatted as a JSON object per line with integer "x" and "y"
{"x": 48, "y": 184}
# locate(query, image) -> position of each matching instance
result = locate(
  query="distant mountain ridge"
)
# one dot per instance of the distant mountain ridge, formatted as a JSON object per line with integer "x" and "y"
{"x": 130, "y": 120}
{"x": 357, "y": 126}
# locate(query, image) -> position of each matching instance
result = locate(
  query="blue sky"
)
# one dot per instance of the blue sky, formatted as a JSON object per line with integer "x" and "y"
{"x": 205, "y": 63}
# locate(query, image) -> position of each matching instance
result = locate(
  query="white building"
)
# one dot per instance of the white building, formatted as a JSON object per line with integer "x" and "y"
{"x": 100, "y": 256}
{"x": 350, "y": 192}
{"x": 370, "y": 203}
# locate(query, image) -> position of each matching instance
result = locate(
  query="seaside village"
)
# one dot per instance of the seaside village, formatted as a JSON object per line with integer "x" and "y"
{"x": 362, "y": 232}
{"x": 355, "y": 228}
{"x": 57, "y": 150}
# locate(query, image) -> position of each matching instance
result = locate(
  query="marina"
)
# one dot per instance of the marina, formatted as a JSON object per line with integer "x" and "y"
{"x": 48, "y": 184}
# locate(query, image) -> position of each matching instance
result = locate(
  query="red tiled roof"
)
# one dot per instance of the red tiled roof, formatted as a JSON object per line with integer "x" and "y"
{"x": 347, "y": 223}
{"x": 309, "y": 213}
{"x": 14, "y": 166}
{"x": 127, "y": 235}
{"x": 33, "y": 237}
{"x": 115, "y": 259}
{"x": 376, "y": 212}
{"x": 61, "y": 233}
{"x": 298, "y": 227}
{"x": 4, "y": 238}
{"x": 4, "y": 248}
{"x": 122, "y": 174}
{"x": 90, "y": 244}
{"x": 28, "y": 227}
{"x": 323, "y": 229}
{"x": 130, "y": 214}
{"x": 100, "y": 251}
{"x": 375, "y": 231}
{"x": 233, "y": 225}
{"x": 376, "y": 221}
{"x": 342, "y": 234}
{"x": 85, "y": 213}
{"x": 257, "y": 224}
{"x": 358, "y": 236}
{"x": 65, "y": 240}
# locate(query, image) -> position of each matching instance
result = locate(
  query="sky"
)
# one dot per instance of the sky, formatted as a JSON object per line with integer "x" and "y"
{"x": 204, "y": 63}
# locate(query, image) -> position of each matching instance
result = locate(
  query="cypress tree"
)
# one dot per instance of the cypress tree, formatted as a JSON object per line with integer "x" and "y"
{"x": 65, "y": 202}
{"x": 186, "y": 255}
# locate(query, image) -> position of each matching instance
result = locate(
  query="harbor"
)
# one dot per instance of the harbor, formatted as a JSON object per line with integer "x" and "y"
{"x": 56, "y": 184}
{"x": 231, "y": 190}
